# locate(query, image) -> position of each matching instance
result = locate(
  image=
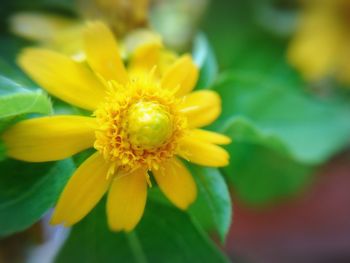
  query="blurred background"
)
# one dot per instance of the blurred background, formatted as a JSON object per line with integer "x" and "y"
{"x": 282, "y": 68}
{"x": 287, "y": 210}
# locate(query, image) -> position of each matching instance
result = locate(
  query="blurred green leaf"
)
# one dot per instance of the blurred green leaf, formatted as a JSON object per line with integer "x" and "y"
{"x": 230, "y": 28}
{"x": 261, "y": 176}
{"x": 205, "y": 58}
{"x": 280, "y": 130}
{"x": 311, "y": 129}
{"x": 213, "y": 207}
{"x": 243, "y": 130}
{"x": 2, "y": 150}
{"x": 12, "y": 72}
{"x": 164, "y": 235}
{"x": 10, "y": 47}
{"x": 28, "y": 190}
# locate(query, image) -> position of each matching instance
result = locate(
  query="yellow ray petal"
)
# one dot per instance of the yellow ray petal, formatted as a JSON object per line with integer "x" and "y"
{"x": 137, "y": 39}
{"x": 126, "y": 200}
{"x": 102, "y": 52}
{"x": 39, "y": 26}
{"x": 83, "y": 191}
{"x": 70, "y": 42}
{"x": 201, "y": 108}
{"x": 176, "y": 183}
{"x": 49, "y": 138}
{"x": 203, "y": 153}
{"x": 209, "y": 136}
{"x": 181, "y": 76}
{"x": 62, "y": 77}
{"x": 145, "y": 57}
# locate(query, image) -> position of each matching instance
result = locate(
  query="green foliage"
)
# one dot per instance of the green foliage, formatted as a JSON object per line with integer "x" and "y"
{"x": 213, "y": 207}
{"x": 280, "y": 129}
{"x": 164, "y": 235}
{"x": 28, "y": 190}
{"x": 2, "y": 151}
{"x": 17, "y": 98}
{"x": 204, "y": 56}
{"x": 281, "y": 132}
{"x": 310, "y": 129}
{"x": 261, "y": 176}
{"x": 268, "y": 106}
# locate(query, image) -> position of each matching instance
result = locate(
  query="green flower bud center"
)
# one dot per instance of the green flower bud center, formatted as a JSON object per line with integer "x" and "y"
{"x": 149, "y": 125}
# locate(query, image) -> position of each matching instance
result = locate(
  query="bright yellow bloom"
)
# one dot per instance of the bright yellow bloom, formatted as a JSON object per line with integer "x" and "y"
{"x": 142, "y": 120}
{"x": 64, "y": 34}
{"x": 321, "y": 46}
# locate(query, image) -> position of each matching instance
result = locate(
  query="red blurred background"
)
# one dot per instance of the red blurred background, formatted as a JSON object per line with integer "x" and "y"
{"x": 312, "y": 228}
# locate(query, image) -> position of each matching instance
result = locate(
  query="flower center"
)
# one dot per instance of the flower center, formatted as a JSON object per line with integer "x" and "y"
{"x": 139, "y": 125}
{"x": 149, "y": 125}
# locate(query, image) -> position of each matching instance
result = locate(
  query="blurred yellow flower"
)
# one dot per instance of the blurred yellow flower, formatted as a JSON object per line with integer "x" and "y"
{"x": 321, "y": 46}
{"x": 51, "y": 31}
{"x": 122, "y": 16}
{"x": 128, "y": 19}
{"x": 142, "y": 119}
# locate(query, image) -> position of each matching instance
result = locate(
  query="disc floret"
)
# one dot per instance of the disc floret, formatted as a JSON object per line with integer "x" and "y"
{"x": 139, "y": 125}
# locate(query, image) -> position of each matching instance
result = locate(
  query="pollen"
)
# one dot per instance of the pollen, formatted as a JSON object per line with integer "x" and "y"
{"x": 139, "y": 125}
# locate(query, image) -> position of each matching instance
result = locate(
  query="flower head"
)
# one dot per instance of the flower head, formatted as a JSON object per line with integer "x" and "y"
{"x": 144, "y": 120}
{"x": 320, "y": 47}
{"x": 121, "y": 16}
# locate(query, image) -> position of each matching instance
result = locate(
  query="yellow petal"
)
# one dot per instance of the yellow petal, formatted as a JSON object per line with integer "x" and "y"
{"x": 145, "y": 57}
{"x": 70, "y": 42}
{"x": 201, "y": 108}
{"x": 209, "y": 136}
{"x": 83, "y": 191}
{"x": 62, "y": 77}
{"x": 182, "y": 76}
{"x": 137, "y": 39}
{"x": 102, "y": 52}
{"x": 176, "y": 183}
{"x": 49, "y": 138}
{"x": 203, "y": 153}
{"x": 126, "y": 200}
{"x": 39, "y": 26}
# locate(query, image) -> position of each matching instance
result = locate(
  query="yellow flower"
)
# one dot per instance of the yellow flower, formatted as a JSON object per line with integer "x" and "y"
{"x": 65, "y": 34}
{"x": 128, "y": 19}
{"x": 50, "y": 31}
{"x": 122, "y": 16}
{"x": 321, "y": 46}
{"x": 142, "y": 120}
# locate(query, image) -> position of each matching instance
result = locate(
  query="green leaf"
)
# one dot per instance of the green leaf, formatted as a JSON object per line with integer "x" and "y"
{"x": 206, "y": 60}
{"x": 2, "y": 150}
{"x": 17, "y": 99}
{"x": 164, "y": 235}
{"x": 263, "y": 176}
{"x": 228, "y": 25}
{"x": 23, "y": 101}
{"x": 28, "y": 190}
{"x": 311, "y": 129}
{"x": 244, "y": 131}
{"x": 213, "y": 207}
{"x": 12, "y": 72}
